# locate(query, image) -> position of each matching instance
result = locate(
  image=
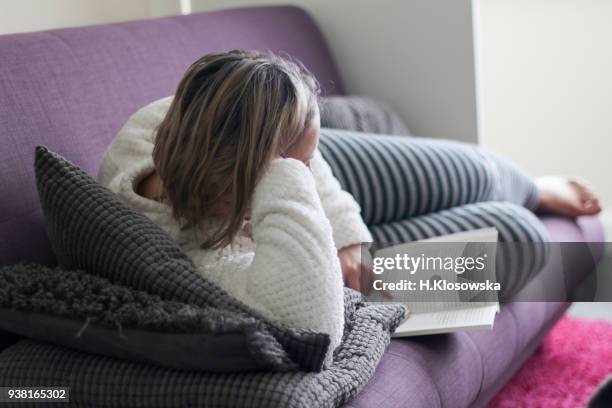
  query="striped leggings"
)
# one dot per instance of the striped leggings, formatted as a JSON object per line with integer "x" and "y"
{"x": 412, "y": 188}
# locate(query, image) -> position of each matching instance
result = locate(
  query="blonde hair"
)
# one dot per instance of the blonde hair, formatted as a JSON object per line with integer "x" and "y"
{"x": 231, "y": 114}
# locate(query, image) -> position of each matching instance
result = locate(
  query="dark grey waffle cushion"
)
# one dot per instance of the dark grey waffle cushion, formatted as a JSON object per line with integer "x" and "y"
{"x": 90, "y": 228}
{"x": 361, "y": 113}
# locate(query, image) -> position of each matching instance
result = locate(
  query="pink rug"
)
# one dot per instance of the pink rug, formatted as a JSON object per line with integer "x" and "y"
{"x": 563, "y": 373}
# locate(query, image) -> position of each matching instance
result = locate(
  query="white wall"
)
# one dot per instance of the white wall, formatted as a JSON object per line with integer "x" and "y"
{"x": 34, "y": 15}
{"x": 416, "y": 54}
{"x": 545, "y": 85}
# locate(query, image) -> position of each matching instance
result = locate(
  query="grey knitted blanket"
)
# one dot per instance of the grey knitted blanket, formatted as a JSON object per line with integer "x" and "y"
{"x": 96, "y": 380}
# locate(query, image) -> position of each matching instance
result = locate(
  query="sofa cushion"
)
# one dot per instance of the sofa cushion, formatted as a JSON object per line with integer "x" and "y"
{"x": 361, "y": 113}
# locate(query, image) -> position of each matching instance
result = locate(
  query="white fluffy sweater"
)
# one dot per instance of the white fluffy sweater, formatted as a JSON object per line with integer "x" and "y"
{"x": 288, "y": 268}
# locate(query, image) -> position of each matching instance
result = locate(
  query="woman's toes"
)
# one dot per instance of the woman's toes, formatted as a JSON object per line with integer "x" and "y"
{"x": 587, "y": 195}
{"x": 567, "y": 196}
{"x": 591, "y": 205}
{"x": 589, "y": 200}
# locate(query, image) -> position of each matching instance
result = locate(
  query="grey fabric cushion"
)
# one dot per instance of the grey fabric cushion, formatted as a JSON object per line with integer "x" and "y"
{"x": 361, "y": 113}
{"x": 88, "y": 313}
{"x": 90, "y": 228}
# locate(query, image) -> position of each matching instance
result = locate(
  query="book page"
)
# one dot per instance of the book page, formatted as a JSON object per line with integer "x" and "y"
{"x": 446, "y": 321}
{"x": 445, "y": 311}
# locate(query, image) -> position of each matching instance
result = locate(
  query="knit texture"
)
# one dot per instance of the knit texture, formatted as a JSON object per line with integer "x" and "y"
{"x": 86, "y": 312}
{"x": 100, "y": 381}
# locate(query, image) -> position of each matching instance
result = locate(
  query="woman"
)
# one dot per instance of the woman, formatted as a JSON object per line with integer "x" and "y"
{"x": 230, "y": 168}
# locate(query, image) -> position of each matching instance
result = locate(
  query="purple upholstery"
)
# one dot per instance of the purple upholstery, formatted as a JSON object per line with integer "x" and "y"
{"x": 72, "y": 90}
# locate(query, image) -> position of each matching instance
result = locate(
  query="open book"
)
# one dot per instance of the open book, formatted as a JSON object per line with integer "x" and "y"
{"x": 454, "y": 313}
{"x": 448, "y": 319}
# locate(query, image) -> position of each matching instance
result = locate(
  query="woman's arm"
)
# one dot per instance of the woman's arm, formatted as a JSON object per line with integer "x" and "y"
{"x": 344, "y": 214}
{"x": 133, "y": 145}
{"x": 295, "y": 275}
{"x": 340, "y": 207}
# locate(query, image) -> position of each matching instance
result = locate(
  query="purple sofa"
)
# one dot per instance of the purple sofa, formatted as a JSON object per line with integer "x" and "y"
{"x": 72, "y": 90}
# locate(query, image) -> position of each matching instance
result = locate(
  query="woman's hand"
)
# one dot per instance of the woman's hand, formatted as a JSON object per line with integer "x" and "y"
{"x": 150, "y": 187}
{"x": 350, "y": 261}
{"x": 356, "y": 273}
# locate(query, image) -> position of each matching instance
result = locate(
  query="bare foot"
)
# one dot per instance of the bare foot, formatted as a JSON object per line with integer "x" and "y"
{"x": 566, "y": 196}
